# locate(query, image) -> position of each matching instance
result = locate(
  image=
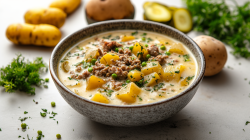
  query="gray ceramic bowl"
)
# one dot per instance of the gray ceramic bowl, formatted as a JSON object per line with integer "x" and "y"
{"x": 126, "y": 115}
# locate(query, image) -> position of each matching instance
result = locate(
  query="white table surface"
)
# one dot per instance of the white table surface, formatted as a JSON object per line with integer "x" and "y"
{"x": 219, "y": 110}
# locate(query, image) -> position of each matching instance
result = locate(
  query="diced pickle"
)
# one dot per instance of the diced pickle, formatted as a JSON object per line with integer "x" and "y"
{"x": 129, "y": 93}
{"x": 94, "y": 82}
{"x": 127, "y": 38}
{"x": 98, "y": 97}
{"x": 135, "y": 75}
{"x": 152, "y": 66}
{"x": 173, "y": 73}
{"x": 106, "y": 59}
{"x": 65, "y": 66}
{"x": 151, "y": 79}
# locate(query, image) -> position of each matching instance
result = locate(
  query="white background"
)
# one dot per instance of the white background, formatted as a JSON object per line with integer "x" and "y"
{"x": 221, "y": 105}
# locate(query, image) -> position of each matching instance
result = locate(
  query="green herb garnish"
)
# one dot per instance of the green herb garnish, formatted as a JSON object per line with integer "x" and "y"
{"x": 229, "y": 24}
{"x": 21, "y": 75}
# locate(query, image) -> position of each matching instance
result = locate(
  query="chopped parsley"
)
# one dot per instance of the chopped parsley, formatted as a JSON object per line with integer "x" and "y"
{"x": 158, "y": 86}
{"x": 109, "y": 92}
{"x": 22, "y": 75}
{"x": 177, "y": 71}
{"x": 186, "y": 57}
{"x": 190, "y": 78}
{"x": 25, "y": 112}
{"x": 134, "y": 33}
{"x": 247, "y": 122}
{"x": 23, "y": 119}
{"x": 107, "y": 37}
{"x": 70, "y": 78}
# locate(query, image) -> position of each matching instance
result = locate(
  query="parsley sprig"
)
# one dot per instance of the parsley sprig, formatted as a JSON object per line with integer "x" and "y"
{"x": 215, "y": 18}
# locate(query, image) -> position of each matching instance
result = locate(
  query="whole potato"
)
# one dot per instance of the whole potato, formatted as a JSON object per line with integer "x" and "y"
{"x": 68, "y": 6}
{"x": 29, "y": 34}
{"x": 53, "y": 16}
{"x": 215, "y": 53}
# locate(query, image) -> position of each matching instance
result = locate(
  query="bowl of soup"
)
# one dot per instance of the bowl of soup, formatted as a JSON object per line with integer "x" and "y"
{"x": 127, "y": 72}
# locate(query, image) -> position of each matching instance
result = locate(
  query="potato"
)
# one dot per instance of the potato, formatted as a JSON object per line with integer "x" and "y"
{"x": 29, "y": 34}
{"x": 53, "y": 16}
{"x": 94, "y": 82}
{"x": 135, "y": 75}
{"x": 127, "y": 38}
{"x": 151, "y": 79}
{"x": 173, "y": 73}
{"x": 101, "y": 10}
{"x": 215, "y": 53}
{"x": 129, "y": 93}
{"x": 177, "y": 48}
{"x": 68, "y": 6}
{"x": 98, "y": 97}
{"x": 139, "y": 50}
{"x": 152, "y": 66}
{"x": 106, "y": 59}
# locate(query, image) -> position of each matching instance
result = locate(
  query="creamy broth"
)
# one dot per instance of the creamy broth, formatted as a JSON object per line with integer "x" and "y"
{"x": 169, "y": 69}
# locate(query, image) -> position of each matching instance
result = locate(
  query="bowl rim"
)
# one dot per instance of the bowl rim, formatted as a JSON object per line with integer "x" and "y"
{"x": 195, "y": 83}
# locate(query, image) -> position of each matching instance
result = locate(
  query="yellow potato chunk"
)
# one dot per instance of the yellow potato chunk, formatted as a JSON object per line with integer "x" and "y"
{"x": 151, "y": 79}
{"x": 177, "y": 48}
{"x": 184, "y": 82}
{"x": 98, "y": 97}
{"x": 173, "y": 72}
{"x": 135, "y": 75}
{"x": 106, "y": 59}
{"x": 127, "y": 38}
{"x": 139, "y": 50}
{"x": 94, "y": 82}
{"x": 129, "y": 93}
{"x": 91, "y": 52}
{"x": 152, "y": 66}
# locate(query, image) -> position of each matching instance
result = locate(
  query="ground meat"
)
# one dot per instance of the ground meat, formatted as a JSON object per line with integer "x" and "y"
{"x": 159, "y": 58}
{"x": 116, "y": 85}
{"x": 100, "y": 52}
{"x": 127, "y": 51}
{"x": 79, "y": 69}
{"x": 108, "y": 46}
{"x": 121, "y": 67}
{"x": 153, "y": 50}
{"x": 85, "y": 74}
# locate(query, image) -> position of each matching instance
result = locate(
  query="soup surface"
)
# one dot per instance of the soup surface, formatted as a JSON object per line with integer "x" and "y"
{"x": 127, "y": 67}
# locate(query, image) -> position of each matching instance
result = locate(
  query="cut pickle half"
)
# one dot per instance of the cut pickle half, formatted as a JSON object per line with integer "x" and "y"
{"x": 157, "y": 12}
{"x": 182, "y": 20}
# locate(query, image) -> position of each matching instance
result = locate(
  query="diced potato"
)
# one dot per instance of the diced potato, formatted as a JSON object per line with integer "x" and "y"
{"x": 65, "y": 66}
{"x": 129, "y": 93}
{"x": 94, "y": 82}
{"x": 91, "y": 52}
{"x": 177, "y": 48}
{"x": 139, "y": 50}
{"x": 166, "y": 42}
{"x": 173, "y": 72}
{"x": 152, "y": 66}
{"x": 135, "y": 75}
{"x": 184, "y": 82}
{"x": 127, "y": 38}
{"x": 151, "y": 79}
{"x": 106, "y": 59}
{"x": 98, "y": 97}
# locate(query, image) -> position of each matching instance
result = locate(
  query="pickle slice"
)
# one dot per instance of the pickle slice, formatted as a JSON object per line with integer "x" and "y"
{"x": 182, "y": 20}
{"x": 157, "y": 12}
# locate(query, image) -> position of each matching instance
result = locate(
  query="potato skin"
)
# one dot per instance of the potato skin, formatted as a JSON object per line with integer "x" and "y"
{"x": 29, "y": 34}
{"x": 214, "y": 52}
{"x": 68, "y": 6}
{"x": 53, "y": 16}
